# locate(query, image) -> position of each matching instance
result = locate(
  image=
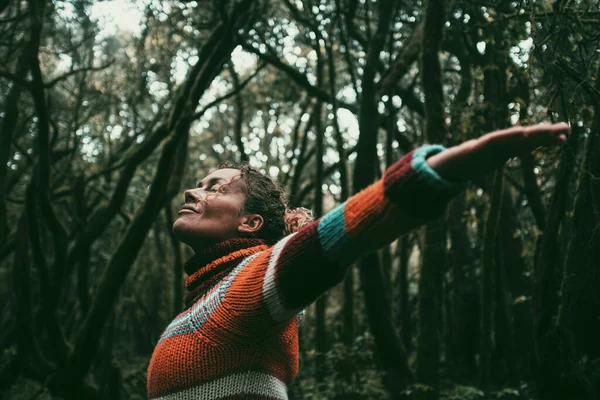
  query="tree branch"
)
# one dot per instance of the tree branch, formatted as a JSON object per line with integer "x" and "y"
{"x": 572, "y": 73}
{"x": 297, "y": 77}
{"x": 532, "y": 190}
{"x": 229, "y": 95}
{"x": 58, "y": 79}
{"x": 239, "y": 114}
{"x": 409, "y": 54}
{"x": 15, "y": 78}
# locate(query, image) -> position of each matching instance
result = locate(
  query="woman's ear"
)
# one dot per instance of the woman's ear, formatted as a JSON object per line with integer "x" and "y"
{"x": 250, "y": 224}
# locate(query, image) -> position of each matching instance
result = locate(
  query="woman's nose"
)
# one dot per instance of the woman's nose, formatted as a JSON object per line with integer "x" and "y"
{"x": 192, "y": 195}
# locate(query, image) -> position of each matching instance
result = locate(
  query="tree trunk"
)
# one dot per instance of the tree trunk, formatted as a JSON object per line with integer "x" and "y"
{"x": 110, "y": 374}
{"x": 83, "y": 285}
{"x": 321, "y": 303}
{"x": 7, "y": 129}
{"x": 430, "y": 310}
{"x": 178, "y": 282}
{"x": 504, "y": 369}
{"x": 389, "y": 347}
{"x": 29, "y": 356}
{"x": 488, "y": 284}
{"x": 348, "y": 319}
{"x": 532, "y": 190}
{"x": 465, "y": 299}
{"x": 434, "y": 248}
{"x": 404, "y": 309}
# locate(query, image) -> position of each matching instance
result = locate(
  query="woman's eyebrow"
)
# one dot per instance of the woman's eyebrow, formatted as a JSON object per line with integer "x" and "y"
{"x": 210, "y": 182}
{"x": 213, "y": 180}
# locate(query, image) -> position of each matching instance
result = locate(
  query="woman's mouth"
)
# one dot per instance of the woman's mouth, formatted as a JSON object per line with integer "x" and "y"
{"x": 188, "y": 209}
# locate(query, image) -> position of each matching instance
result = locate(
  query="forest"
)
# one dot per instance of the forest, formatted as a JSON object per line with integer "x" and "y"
{"x": 110, "y": 109}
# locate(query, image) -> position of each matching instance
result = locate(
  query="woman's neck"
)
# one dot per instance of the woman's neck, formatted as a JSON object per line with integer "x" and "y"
{"x": 214, "y": 251}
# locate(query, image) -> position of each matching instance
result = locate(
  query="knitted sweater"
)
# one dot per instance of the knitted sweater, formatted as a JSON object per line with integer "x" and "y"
{"x": 238, "y": 339}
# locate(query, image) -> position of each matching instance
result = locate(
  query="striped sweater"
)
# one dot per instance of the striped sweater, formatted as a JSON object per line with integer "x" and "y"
{"x": 238, "y": 338}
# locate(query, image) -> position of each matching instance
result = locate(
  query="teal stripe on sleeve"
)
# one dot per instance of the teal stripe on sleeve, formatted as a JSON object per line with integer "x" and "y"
{"x": 332, "y": 233}
{"x": 427, "y": 174}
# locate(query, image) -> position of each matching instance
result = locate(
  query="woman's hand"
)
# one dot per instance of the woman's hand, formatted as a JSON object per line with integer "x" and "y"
{"x": 491, "y": 151}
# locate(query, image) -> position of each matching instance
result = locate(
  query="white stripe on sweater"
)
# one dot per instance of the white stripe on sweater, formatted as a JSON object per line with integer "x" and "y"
{"x": 272, "y": 300}
{"x": 248, "y": 383}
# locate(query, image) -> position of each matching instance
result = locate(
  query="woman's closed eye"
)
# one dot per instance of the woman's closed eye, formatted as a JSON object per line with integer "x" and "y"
{"x": 209, "y": 188}
{"x": 212, "y": 188}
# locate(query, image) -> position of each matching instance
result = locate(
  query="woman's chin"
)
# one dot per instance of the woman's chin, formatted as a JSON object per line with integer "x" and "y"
{"x": 182, "y": 231}
{"x": 188, "y": 234}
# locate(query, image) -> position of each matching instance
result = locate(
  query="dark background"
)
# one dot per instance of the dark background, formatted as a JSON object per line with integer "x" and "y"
{"x": 103, "y": 124}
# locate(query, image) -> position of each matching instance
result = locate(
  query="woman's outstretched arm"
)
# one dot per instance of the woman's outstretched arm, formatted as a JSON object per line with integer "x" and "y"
{"x": 474, "y": 157}
{"x": 276, "y": 284}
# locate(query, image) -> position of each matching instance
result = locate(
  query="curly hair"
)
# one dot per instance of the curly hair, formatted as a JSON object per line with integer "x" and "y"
{"x": 268, "y": 199}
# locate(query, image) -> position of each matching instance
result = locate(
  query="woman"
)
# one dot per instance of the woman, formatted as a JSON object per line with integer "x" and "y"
{"x": 238, "y": 336}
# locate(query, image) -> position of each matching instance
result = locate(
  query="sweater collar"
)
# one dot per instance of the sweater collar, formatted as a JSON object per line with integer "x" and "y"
{"x": 218, "y": 258}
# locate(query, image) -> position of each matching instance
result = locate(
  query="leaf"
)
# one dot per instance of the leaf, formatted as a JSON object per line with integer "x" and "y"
{"x": 520, "y": 299}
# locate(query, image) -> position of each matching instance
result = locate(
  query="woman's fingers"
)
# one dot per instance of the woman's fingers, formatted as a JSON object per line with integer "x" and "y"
{"x": 546, "y": 135}
{"x": 526, "y": 138}
{"x": 538, "y": 130}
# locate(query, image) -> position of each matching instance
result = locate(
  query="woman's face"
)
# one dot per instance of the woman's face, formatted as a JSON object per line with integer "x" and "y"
{"x": 213, "y": 211}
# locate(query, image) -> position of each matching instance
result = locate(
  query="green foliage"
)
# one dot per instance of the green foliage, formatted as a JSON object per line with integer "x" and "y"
{"x": 458, "y": 392}
{"x": 462, "y": 393}
{"x": 347, "y": 373}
